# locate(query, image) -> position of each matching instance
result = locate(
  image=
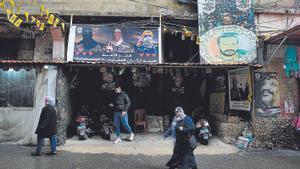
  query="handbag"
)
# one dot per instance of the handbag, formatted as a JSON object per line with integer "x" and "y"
{"x": 193, "y": 142}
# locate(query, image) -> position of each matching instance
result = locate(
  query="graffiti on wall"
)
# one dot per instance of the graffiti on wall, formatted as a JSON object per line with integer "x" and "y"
{"x": 227, "y": 31}
{"x": 228, "y": 44}
{"x": 267, "y": 100}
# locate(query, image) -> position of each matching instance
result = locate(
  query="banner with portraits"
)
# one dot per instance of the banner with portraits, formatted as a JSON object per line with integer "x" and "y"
{"x": 115, "y": 43}
{"x": 267, "y": 100}
{"x": 240, "y": 89}
{"x": 227, "y": 32}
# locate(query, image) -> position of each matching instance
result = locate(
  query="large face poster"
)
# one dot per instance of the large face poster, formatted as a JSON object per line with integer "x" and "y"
{"x": 120, "y": 44}
{"x": 267, "y": 100}
{"x": 227, "y": 31}
{"x": 240, "y": 89}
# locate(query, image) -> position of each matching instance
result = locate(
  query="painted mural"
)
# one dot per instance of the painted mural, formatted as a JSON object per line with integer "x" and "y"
{"x": 227, "y": 31}
{"x": 240, "y": 89}
{"x": 122, "y": 44}
{"x": 267, "y": 94}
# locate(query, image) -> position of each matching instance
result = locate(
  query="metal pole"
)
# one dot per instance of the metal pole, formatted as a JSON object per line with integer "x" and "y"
{"x": 282, "y": 41}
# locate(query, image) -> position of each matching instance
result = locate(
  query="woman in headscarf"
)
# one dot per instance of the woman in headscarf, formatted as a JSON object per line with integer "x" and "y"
{"x": 182, "y": 130}
{"x": 47, "y": 127}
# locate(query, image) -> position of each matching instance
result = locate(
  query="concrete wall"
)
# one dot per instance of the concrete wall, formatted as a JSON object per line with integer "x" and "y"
{"x": 274, "y": 6}
{"x": 278, "y": 131}
{"x": 63, "y": 104}
{"x": 114, "y": 7}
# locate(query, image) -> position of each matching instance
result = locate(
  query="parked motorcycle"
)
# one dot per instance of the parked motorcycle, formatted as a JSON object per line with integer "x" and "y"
{"x": 203, "y": 131}
{"x": 83, "y": 131}
{"x": 106, "y": 127}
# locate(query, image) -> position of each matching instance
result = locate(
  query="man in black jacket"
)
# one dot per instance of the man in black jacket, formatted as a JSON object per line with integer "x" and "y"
{"x": 47, "y": 127}
{"x": 121, "y": 105}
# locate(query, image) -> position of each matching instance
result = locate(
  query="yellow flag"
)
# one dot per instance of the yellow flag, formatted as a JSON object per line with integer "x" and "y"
{"x": 42, "y": 27}
{"x": 18, "y": 10}
{"x": 56, "y": 22}
{"x": 51, "y": 19}
{"x": 47, "y": 13}
{"x": 63, "y": 26}
{"x": 26, "y": 16}
{"x": 38, "y": 23}
{"x": 8, "y": 13}
{"x": 1, "y": 4}
{"x": 33, "y": 19}
{"x": 13, "y": 18}
{"x": 18, "y": 22}
{"x": 198, "y": 40}
{"x": 42, "y": 8}
{"x": 12, "y": 3}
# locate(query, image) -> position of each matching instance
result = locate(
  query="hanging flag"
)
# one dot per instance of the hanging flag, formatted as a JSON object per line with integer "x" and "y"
{"x": 33, "y": 19}
{"x": 51, "y": 19}
{"x": 42, "y": 9}
{"x": 8, "y": 13}
{"x": 18, "y": 10}
{"x": 2, "y": 4}
{"x": 38, "y": 23}
{"x": 13, "y": 18}
{"x": 42, "y": 27}
{"x": 63, "y": 26}
{"x": 198, "y": 40}
{"x": 26, "y": 16}
{"x": 12, "y": 4}
{"x": 47, "y": 13}
{"x": 56, "y": 22}
{"x": 18, "y": 22}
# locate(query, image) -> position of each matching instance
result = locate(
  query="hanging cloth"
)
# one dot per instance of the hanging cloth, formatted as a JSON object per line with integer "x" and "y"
{"x": 290, "y": 61}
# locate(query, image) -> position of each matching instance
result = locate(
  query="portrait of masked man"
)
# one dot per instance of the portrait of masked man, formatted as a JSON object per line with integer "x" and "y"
{"x": 87, "y": 46}
{"x": 117, "y": 44}
{"x": 146, "y": 44}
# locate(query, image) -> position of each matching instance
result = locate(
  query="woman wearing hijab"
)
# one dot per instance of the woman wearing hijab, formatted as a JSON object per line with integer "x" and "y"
{"x": 182, "y": 130}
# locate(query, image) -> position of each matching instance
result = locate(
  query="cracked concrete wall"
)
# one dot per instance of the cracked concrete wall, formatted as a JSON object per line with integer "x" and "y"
{"x": 113, "y": 7}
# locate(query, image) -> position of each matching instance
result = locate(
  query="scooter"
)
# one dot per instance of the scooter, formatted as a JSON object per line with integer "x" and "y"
{"x": 106, "y": 127}
{"x": 83, "y": 130}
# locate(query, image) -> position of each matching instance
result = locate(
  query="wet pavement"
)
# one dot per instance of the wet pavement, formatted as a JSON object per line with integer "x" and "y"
{"x": 18, "y": 157}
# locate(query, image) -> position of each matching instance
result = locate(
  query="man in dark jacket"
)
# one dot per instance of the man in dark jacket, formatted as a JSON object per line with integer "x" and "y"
{"x": 121, "y": 105}
{"x": 47, "y": 127}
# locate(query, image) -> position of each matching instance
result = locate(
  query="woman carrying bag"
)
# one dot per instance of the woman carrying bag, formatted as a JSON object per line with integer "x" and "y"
{"x": 182, "y": 130}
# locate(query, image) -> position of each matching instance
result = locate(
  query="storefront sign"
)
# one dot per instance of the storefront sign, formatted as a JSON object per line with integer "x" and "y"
{"x": 227, "y": 32}
{"x": 240, "y": 89}
{"x": 117, "y": 44}
{"x": 267, "y": 100}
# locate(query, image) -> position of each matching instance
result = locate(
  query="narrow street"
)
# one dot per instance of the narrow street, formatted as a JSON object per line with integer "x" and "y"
{"x": 153, "y": 153}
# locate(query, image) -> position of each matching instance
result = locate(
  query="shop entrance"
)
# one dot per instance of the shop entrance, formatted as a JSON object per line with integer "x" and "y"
{"x": 157, "y": 90}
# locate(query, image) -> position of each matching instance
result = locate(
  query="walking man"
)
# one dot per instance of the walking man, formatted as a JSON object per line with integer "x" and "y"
{"x": 47, "y": 127}
{"x": 121, "y": 105}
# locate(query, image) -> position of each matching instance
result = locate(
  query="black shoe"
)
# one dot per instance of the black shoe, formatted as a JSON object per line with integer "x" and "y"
{"x": 52, "y": 153}
{"x": 35, "y": 154}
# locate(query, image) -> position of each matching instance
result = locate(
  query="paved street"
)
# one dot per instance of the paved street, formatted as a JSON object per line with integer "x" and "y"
{"x": 93, "y": 157}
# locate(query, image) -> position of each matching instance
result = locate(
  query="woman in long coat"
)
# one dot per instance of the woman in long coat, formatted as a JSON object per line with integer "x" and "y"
{"x": 182, "y": 129}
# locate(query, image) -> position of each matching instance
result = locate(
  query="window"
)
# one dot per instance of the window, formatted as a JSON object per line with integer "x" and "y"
{"x": 17, "y": 88}
{"x": 9, "y": 48}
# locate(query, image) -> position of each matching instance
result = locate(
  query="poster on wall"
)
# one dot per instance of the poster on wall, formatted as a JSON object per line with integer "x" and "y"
{"x": 227, "y": 32}
{"x": 117, "y": 44}
{"x": 267, "y": 100}
{"x": 240, "y": 89}
{"x": 217, "y": 103}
